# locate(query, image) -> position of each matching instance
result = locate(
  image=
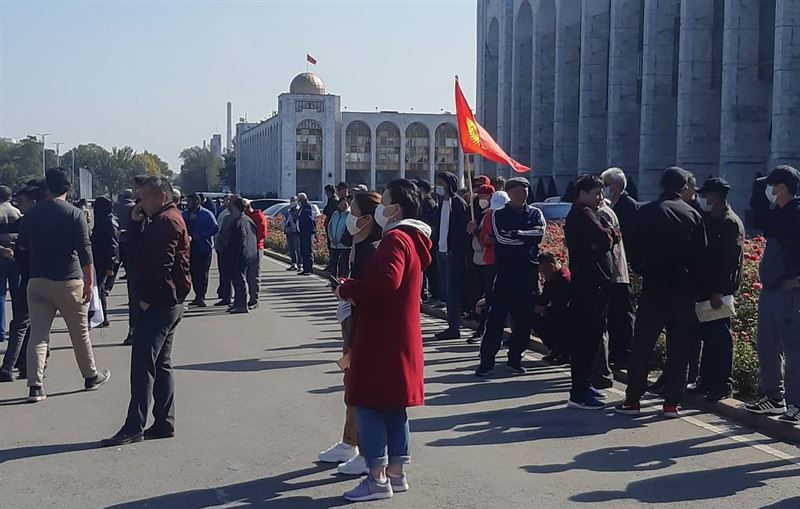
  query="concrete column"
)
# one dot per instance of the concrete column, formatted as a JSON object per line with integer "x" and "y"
{"x": 505, "y": 79}
{"x": 592, "y": 121}
{"x": 786, "y": 85}
{"x": 372, "y": 146}
{"x": 432, "y": 154}
{"x": 565, "y": 109}
{"x": 699, "y": 89}
{"x": 746, "y": 100}
{"x": 622, "y": 142}
{"x": 659, "y": 99}
{"x": 544, "y": 60}
{"x": 460, "y": 165}
{"x": 402, "y": 153}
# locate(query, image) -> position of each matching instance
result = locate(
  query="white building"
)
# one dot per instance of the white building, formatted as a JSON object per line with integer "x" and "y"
{"x": 310, "y": 142}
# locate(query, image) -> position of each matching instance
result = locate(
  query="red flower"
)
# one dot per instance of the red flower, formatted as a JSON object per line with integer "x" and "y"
{"x": 757, "y": 285}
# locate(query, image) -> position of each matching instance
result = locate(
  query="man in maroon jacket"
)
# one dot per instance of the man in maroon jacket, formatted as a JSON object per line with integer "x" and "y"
{"x": 160, "y": 254}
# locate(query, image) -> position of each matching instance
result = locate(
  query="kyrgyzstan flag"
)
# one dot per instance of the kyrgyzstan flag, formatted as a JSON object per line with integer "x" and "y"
{"x": 311, "y": 60}
{"x": 476, "y": 140}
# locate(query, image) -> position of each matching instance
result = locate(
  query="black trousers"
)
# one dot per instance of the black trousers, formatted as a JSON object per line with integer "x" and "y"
{"x": 339, "y": 263}
{"x": 554, "y": 331}
{"x": 658, "y": 311}
{"x": 508, "y": 299}
{"x": 306, "y": 252}
{"x": 151, "y": 368}
{"x": 620, "y": 322}
{"x": 199, "y": 266}
{"x": 238, "y": 274}
{"x": 133, "y": 298}
{"x": 225, "y": 268}
{"x": 588, "y": 312}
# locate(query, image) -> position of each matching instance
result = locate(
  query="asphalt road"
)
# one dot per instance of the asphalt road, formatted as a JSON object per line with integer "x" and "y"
{"x": 259, "y": 395}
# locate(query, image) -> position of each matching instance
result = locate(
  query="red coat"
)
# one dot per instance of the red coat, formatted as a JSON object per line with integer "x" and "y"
{"x": 386, "y": 362}
{"x": 260, "y": 221}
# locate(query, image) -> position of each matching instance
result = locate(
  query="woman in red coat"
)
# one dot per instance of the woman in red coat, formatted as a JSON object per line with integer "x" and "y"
{"x": 386, "y": 363}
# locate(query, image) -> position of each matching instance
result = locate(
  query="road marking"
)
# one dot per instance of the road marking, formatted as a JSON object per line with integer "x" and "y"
{"x": 736, "y": 436}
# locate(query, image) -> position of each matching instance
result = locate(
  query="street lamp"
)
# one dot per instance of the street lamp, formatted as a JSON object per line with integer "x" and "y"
{"x": 58, "y": 151}
{"x": 43, "y": 135}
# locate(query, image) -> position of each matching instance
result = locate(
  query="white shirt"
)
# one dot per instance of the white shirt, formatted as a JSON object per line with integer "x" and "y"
{"x": 444, "y": 225}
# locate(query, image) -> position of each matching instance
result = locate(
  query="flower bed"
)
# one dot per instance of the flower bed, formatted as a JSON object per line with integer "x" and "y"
{"x": 745, "y": 360}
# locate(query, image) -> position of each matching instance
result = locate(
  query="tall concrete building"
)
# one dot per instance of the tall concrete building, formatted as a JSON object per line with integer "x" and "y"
{"x": 311, "y": 141}
{"x": 574, "y": 86}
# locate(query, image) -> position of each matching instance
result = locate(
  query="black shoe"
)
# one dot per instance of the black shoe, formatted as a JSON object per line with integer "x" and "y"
{"x": 448, "y": 334}
{"x": 128, "y": 341}
{"x": 291, "y": 268}
{"x": 105, "y": 324}
{"x": 306, "y": 273}
{"x": 221, "y": 303}
{"x": 198, "y": 304}
{"x": 121, "y": 438}
{"x": 36, "y": 394}
{"x": 656, "y": 388}
{"x": 718, "y": 395}
{"x": 483, "y": 371}
{"x": 550, "y": 358}
{"x": 252, "y": 305}
{"x": 6, "y": 376}
{"x": 695, "y": 388}
{"x": 156, "y": 432}
{"x": 561, "y": 360}
{"x": 91, "y": 384}
{"x": 516, "y": 369}
{"x": 603, "y": 384}
{"x": 238, "y": 311}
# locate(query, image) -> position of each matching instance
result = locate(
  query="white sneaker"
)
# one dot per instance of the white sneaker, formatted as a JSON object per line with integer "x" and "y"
{"x": 338, "y": 453}
{"x": 399, "y": 483}
{"x": 356, "y": 466}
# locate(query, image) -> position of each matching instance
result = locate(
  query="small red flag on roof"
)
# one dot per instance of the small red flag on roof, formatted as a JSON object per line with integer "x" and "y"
{"x": 311, "y": 60}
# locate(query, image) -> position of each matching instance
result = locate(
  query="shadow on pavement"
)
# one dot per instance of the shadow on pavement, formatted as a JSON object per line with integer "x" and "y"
{"x": 257, "y": 493}
{"x": 34, "y": 451}
{"x": 21, "y": 400}
{"x": 242, "y": 365}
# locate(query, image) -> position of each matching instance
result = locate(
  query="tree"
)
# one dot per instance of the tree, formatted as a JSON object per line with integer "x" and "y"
{"x": 227, "y": 174}
{"x": 150, "y": 164}
{"x": 199, "y": 170}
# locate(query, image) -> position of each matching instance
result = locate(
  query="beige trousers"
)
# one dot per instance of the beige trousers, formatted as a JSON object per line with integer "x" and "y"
{"x": 45, "y": 298}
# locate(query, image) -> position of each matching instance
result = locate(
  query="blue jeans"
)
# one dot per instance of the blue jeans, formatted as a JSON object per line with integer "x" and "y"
{"x": 779, "y": 343}
{"x": 9, "y": 282}
{"x": 716, "y": 363}
{"x": 293, "y": 246}
{"x": 451, "y": 269}
{"x": 383, "y": 436}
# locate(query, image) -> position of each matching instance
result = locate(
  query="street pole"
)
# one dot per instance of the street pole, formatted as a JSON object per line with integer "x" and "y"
{"x": 44, "y": 136}
{"x": 58, "y": 151}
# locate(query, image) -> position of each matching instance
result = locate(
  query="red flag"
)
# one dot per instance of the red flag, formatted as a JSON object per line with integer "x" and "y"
{"x": 311, "y": 60}
{"x": 476, "y": 140}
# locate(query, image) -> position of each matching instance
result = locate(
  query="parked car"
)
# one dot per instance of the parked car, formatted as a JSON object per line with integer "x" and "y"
{"x": 554, "y": 211}
{"x": 263, "y": 204}
{"x": 276, "y": 210}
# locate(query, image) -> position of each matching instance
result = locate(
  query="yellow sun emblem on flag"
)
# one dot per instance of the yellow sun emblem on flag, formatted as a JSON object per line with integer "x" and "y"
{"x": 472, "y": 132}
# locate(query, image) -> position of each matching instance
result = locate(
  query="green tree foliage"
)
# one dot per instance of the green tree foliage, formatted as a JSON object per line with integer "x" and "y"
{"x": 20, "y": 162}
{"x": 150, "y": 164}
{"x": 200, "y": 170}
{"x": 227, "y": 174}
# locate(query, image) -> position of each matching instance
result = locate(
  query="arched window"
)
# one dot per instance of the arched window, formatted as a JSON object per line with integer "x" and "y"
{"x": 308, "y": 159}
{"x": 417, "y": 150}
{"x": 358, "y": 147}
{"x": 387, "y": 154}
{"x": 446, "y": 148}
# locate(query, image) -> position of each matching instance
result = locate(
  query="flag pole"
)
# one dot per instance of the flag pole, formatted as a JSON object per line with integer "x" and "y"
{"x": 469, "y": 186}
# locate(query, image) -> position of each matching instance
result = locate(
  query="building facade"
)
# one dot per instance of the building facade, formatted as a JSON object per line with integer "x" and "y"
{"x": 311, "y": 142}
{"x": 576, "y": 86}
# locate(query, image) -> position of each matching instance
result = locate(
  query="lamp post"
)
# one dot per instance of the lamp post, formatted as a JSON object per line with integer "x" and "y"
{"x": 44, "y": 136}
{"x": 58, "y": 151}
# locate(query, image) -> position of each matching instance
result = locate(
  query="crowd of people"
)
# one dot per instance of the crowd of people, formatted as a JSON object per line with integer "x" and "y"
{"x": 479, "y": 250}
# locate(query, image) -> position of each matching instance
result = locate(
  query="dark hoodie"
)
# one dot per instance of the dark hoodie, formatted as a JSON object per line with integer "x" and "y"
{"x": 457, "y": 232}
{"x": 781, "y": 227}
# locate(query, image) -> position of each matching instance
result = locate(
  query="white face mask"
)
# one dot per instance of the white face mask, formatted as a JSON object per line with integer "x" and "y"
{"x": 771, "y": 197}
{"x": 484, "y": 204}
{"x": 352, "y": 224}
{"x": 380, "y": 216}
{"x": 440, "y": 190}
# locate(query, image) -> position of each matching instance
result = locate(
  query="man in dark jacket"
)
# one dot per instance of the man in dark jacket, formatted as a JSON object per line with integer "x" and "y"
{"x": 669, "y": 244}
{"x": 161, "y": 256}
{"x": 518, "y": 228}
{"x": 308, "y": 228}
{"x": 202, "y": 226}
{"x": 776, "y": 212}
{"x": 721, "y": 277}
{"x": 450, "y": 242}
{"x": 620, "y": 303}
{"x": 589, "y": 238}
{"x": 244, "y": 251}
{"x": 429, "y": 209}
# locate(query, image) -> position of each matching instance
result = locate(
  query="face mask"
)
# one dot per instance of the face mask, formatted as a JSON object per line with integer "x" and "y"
{"x": 706, "y": 205}
{"x": 380, "y": 214}
{"x": 771, "y": 197}
{"x": 440, "y": 190}
{"x": 352, "y": 224}
{"x": 484, "y": 204}
{"x": 608, "y": 193}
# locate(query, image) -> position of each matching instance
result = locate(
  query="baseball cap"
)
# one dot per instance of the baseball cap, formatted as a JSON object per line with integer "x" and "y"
{"x": 783, "y": 174}
{"x": 714, "y": 185}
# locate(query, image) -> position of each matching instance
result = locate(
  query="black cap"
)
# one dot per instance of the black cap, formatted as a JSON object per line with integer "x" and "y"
{"x": 714, "y": 185}
{"x": 783, "y": 174}
{"x": 516, "y": 182}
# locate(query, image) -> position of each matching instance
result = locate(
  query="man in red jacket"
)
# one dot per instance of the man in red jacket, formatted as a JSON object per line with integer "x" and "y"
{"x": 160, "y": 253}
{"x": 253, "y": 271}
{"x": 386, "y": 363}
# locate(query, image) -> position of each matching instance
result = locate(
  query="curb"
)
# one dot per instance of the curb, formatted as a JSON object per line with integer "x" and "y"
{"x": 731, "y": 408}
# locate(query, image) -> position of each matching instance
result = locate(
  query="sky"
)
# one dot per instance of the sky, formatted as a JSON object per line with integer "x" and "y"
{"x": 156, "y": 75}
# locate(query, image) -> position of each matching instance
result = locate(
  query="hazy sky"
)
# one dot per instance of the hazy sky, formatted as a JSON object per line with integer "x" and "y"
{"x": 156, "y": 75}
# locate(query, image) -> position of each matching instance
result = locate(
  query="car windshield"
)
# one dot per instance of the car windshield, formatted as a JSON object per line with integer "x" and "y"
{"x": 554, "y": 211}
{"x": 278, "y": 208}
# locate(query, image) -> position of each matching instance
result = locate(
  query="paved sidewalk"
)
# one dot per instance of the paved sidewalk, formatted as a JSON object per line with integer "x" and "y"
{"x": 259, "y": 395}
